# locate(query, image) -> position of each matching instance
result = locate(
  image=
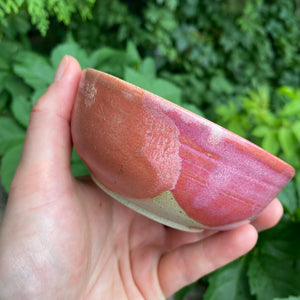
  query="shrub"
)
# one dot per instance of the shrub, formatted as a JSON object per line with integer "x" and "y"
{"x": 221, "y": 59}
{"x": 214, "y": 50}
{"x": 40, "y": 13}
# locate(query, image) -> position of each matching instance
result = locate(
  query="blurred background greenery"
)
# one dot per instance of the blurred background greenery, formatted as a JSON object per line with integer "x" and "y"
{"x": 235, "y": 62}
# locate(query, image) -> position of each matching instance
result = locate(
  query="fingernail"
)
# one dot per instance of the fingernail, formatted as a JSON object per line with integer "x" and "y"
{"x": 61, "y": 68}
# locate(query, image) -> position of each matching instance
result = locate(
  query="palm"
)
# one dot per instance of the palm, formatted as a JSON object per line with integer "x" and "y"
{"x": 126, "y": 248}
{"x": 122, "y": 251}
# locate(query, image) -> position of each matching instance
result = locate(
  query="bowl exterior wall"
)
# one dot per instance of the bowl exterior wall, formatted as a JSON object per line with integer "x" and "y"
{"x": 139, "y": 146}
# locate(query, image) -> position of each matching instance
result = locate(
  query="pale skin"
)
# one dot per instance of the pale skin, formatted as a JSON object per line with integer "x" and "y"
{"x": 63, "y": 238}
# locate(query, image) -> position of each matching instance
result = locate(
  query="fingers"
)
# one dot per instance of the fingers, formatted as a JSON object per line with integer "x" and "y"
{"x": 48, "y": 139}
{"x": 177, "y": 238}
{"x": 188, "y": 263}
{"x": 206, "y": 251}
{"x": 44, "y": 167}
{"x": 269, "y": 217}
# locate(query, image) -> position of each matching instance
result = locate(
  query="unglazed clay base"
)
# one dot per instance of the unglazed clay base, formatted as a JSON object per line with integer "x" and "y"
{"x": 163, "y": 209}
{"x": 168, "y": 163}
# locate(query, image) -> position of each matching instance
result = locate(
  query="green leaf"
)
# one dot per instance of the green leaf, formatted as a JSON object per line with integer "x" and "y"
{"x": 34, "y": 69}
{"x": 297, "y": 183}
{"x": 271, "y": 277}
{"x": 160, "y": 87}
{"x": 270, "y": 142}
{"x": 4, "y": 97}
{"x": 287, "y": 141}
{"x": 297, "y": 215}
{"x": 220, "y": 84}
{"x": 166, "y": 90}
{"x": 8, "y": 50}
{"x": 296, "y": 130}
{"x": 11, "y": 134}
{"x": 20, "y": 23}
{"x": 3, "y": 76}
{"x": 261, "y": 131}
{"x": 291, "y": 108}
{"x": 227, "y": 112}
{"x": 109, "y": 60}
{"x": 288, "y": 197}
{"x": 181, "y": 294}
{"x": 77, "y": 165}
{"x": 21, "y": 109}
{"x": 269, "y": 118}
{"x": 9, "y": 164}
{"x": 16, "y": 86}
{"x": 288, "y": 298}
{"x": 293, "y": 160}
{"x": 235, "y": 126}
{"x": 280, "y": 242}
{"x": 69, "y": 48}
{"x": 138, "y": 79}
{"x": 229, "y": 282}
{"x": 132, "y": 53}
{"x": 290, "y": 92}
{"x": 148, "y": 67}
{"x": 4, "y": 65}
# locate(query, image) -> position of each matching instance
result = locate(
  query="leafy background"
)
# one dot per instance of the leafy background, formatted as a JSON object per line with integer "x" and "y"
{"x": 236, "y": 62}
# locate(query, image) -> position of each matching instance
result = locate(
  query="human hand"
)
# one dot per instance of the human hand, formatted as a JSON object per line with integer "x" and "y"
{"x": 63, "y": 238}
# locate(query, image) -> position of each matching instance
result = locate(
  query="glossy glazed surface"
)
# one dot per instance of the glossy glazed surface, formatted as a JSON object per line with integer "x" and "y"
{"x": 139, "y": 146}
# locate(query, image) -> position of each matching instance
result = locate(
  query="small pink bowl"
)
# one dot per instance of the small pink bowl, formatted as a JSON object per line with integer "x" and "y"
{"x": 168, "y": 163}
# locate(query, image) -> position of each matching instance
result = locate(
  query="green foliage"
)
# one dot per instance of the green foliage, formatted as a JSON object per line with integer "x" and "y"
{"x": 289, "y": 198}
{"x": 185, "y": 291}
{"x": 230, "y": 282}
{"x": 145, "y": 77}
{"x": 218, "y": 49}
{"x": 213, "y": 50}
{"x": 272, "y": 268}
{"x": 78, "y": 168}
{"x": 267, "y": 272}
{"x": 11, "y": 134}
{"x": 9, "y": 164}
{"x": 41, "y": 11}
{"x": 270, "y": 277}
{"x": 289, "y": 298}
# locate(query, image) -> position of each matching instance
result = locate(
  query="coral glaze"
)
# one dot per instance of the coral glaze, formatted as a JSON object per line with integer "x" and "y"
{"x": 131, "y": 150}
{"x": 139, "y": 145}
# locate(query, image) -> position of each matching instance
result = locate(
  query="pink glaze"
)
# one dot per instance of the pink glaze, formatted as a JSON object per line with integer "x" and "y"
{"x": 224, "y": 179}
{"x": 139, "y": 145}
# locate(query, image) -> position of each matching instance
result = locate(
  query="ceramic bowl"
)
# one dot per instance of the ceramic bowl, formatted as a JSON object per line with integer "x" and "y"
{"x": 168, "y": 163}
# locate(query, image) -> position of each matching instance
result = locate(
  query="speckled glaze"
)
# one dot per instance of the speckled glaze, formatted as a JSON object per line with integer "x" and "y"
{"x": 168, "y": 163}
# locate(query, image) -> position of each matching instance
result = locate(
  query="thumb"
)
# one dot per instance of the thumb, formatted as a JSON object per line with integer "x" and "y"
{"x": 48, "y": 145}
